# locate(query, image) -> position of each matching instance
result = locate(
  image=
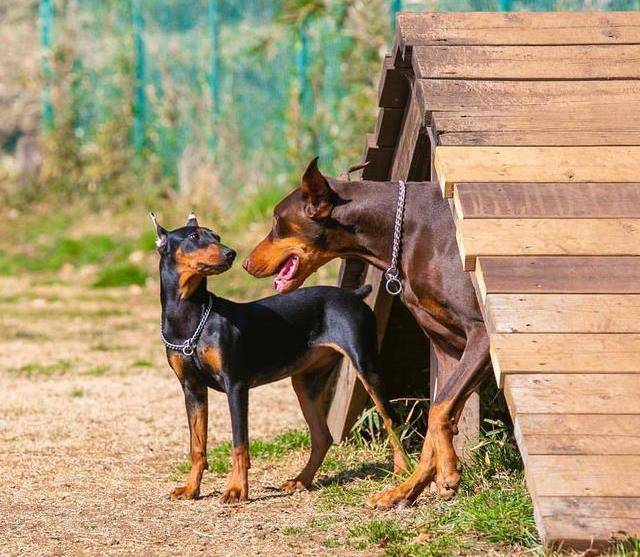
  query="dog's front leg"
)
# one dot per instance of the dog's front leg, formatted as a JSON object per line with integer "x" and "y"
{"x": 195, "y": 399}
{"x": 238, "y": 486}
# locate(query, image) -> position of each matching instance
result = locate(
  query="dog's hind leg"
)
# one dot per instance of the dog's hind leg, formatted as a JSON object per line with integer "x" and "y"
{"x": 372, "y": 383}
{"x": 310, "y": 388}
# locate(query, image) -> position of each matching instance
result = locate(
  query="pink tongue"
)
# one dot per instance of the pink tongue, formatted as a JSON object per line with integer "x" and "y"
{"x": 287, "y": 269}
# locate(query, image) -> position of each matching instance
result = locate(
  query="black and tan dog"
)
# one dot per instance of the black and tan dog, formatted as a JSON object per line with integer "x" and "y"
{"x": 327, "y": 218}
{"x": 232, "y": 347}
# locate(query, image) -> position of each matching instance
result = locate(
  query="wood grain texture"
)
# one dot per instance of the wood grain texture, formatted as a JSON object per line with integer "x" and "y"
{"x": 527, "y": 62}
{"x": 565, "y": 393}
{"x": 534, "y": 200}
{"x": 517, "y": 28}
{"x": 588, "y": 533}
{"x": 548, "y": 443}
{"x": 443, "y": 95}
{"x": 535, "y": 164}
{"x": 614, "y": 507}
{"x": 585, "y": 117}
{"x": 567, "y": 353}
{"x": 491, "y": 237}
{"x": 627, "y": 425}
{"x": 555, "y": 138}
{"x": 563, "y": 313}
{"x": 584, "y": 475}
{"x": 558, "y": 274}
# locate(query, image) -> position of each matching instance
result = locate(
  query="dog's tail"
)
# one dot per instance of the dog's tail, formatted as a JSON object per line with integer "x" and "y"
{"x": 363, "y": 291}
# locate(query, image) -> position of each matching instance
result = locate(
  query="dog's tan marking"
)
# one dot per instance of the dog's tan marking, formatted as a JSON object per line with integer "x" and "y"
{"x": 177, "y": 365}
{"x": 189, "y": 266}
{"x": 213, "y": 358}
{"x": 238, "y": 487}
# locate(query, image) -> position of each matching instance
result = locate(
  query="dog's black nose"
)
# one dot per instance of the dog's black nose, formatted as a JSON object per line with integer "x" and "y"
{"x": 230, "y": 255}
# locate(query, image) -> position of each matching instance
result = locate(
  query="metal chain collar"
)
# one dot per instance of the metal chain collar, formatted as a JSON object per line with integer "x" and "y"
{"x": 392, "y": 274}
{"x": 188, "y": 346}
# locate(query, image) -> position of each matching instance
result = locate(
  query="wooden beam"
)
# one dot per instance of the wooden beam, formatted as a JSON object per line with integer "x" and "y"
{"x": 582, "y": 393}
{"x": 534, "y": 200}
{"x": 598, "y": 476}
{"x": 349, "y": 396}
{"x": 517, "y": 28}
{"x": 535, "y": 164}
{"x": 563, "y": 313}
{"x": 558, "y": 275}
{"x": 584, "y": 353}
{"x": 556, "y": 138}
{"x": 492, "y": 237}
{"x": 471, "y": 96}
{"x": 526, "y": 62}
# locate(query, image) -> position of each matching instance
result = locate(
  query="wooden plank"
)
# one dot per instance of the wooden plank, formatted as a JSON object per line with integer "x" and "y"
{"x": 604, "y": 118}
{"x": 517, "y": 28}
{"x": 388, "y": 126}
{"x": 555, "y": 138}
{"x": 583, "y": 393}
{"x": 567, "y": 353}
{"x": 548, "y": 443}
{"x": 563, "y": 313}
{"x": 587, "y": 533}
{"x": 393, "y": 89}
{"x": 535, "y": 164}
{"x": 440, "y": 95}
{"x": 404, "y": 151}
{"x": 526, "y": 200}
{"x": 379, "y": 159}
{"x": 584, "y": 475}
{"x": 490, "y": 237}
{"x": 627, "y": 425}
{"x": 604, "y": 507}
{"x": 556, "y": 275}
{"x": 349, "y": 396}
{"x": 527, "y": 62}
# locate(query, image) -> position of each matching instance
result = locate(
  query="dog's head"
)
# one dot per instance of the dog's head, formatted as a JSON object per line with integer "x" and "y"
{"x": 304, "y": 234}
{"x": 194, "y": 251}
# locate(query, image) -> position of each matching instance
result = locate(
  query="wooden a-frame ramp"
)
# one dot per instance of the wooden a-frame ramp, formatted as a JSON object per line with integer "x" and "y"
{"x": 531, "y": 122}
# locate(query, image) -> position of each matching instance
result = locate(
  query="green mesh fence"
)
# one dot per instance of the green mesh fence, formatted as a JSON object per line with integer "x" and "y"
{"x": 251, "y": 87}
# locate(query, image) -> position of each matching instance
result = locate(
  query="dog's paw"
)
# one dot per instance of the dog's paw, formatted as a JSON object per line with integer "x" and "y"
{"x": 184, "y": 492}
{"x": 388, "y": 499}
{"x": 234, "y": 495}
{"x": 294, "y": 485}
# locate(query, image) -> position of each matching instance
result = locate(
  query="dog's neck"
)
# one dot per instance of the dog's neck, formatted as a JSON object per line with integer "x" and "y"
{"x": 370, "y": 211}
{"x": 180, "y": 315}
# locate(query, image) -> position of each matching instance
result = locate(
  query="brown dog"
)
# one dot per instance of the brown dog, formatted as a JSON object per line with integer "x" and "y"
{"x": 327, "y": 218}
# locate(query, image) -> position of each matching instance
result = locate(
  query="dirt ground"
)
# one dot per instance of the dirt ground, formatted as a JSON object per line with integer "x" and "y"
{"x": 92, "y": 426}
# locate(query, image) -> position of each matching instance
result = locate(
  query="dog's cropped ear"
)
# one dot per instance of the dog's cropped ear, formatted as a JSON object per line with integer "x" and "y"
{"x": 161, "y": 233}
{"x": 317, "y": 192}
{"x": 192, "y": 220}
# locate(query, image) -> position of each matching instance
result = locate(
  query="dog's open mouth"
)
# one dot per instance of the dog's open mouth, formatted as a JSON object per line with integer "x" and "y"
{"x": 286, "y": 273}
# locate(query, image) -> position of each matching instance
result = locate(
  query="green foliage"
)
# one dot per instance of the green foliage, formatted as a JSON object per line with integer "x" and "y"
{"x": 120, "y": 274}
{"x": 381, "y": 532}
{"x": 32, "y": 369}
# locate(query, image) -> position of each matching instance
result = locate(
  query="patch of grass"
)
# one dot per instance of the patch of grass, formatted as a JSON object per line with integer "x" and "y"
{"x": 97, "y": 371}
{"x": 492, "y": 511}
{"x": 120, "y": 274}
{"x": 141, "y": 362}
{"x": 292, "y": 530}
{"x": 44, "y": 369}
{"x": 380, "y": 532}
{"x": 219, "y": 456}
{"x": 77, "y": 393}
